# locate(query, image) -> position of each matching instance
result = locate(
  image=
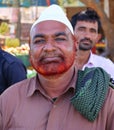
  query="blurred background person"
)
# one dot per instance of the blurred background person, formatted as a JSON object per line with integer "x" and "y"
{"x": 12, "y": 70}
{"x": 87, "y": 27}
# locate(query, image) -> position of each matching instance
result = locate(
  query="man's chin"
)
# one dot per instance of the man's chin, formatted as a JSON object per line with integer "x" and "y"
{"x": 84, "y": 49}
{"x": 53, "y": 71}
{"x": 48, "y": 73}
{"x": 52, "y": 68}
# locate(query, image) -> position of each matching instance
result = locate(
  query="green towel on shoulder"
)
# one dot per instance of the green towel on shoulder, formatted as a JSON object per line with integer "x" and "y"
{"x": 91, "y": 90}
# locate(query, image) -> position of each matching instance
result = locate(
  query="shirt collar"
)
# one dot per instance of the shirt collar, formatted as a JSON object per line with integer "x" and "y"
{"x": 34, "y": 84}
{"x": 91, "y": 61}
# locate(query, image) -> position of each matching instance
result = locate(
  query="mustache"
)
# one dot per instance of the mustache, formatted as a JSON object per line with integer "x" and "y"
{"x": 50, "y": 54}
{"x": 86, "y": 39}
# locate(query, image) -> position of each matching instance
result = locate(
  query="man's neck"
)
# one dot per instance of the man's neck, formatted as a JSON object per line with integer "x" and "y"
{"x": 82, "y": 58}
{"x": 56, "y": 85}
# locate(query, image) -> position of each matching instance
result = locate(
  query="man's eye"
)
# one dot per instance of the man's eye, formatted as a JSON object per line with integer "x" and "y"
{"x": 81, "y": 29}
{"x": 93, "y": 31}
{"x": 60, "y": 39}
{"x": 39, "y": 41}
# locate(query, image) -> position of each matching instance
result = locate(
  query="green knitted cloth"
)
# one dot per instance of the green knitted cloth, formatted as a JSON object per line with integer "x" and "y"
{"x": 91, "y": 89}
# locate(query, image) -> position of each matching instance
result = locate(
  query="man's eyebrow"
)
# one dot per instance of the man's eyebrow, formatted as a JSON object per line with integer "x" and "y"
{"x": 56, "y": 35}
{"x": 38, "y": 35}
{"x": 60, "y": 33}
{"x": 81, "y": 27}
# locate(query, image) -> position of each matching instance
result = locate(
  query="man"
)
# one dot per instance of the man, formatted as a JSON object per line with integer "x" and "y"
{"x": 87, "y": 29}
{"x": 12, "y": 70}
{"x": 107, "y": 25}
{"x": 53, "y": 100}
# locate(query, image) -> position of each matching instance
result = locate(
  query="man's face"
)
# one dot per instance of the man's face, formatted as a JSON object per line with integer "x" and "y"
{"x": 86, "y": 34}
{"x": 52, "y": 48}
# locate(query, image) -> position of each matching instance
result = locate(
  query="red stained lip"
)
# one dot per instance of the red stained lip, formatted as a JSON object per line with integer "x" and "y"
{"x": 48, "y": 60}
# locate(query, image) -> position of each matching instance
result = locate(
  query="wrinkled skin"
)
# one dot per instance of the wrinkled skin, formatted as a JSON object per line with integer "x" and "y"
{"x": 52, "y": 48}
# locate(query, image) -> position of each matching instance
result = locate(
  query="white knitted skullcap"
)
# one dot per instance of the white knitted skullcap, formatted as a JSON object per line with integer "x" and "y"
{"x": 54, "y": 12}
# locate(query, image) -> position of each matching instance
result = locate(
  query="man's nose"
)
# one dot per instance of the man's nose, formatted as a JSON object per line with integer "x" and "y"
{"x": 49, "y": 46}
{"x": 87, "y": 34}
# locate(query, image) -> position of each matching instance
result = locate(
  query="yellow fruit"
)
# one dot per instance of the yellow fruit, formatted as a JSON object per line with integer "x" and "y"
{"x": 4, "y": 28}
{"x": 12, "y": 42}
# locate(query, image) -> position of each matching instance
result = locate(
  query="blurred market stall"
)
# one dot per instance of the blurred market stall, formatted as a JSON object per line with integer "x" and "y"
{"x": 17, "y": 16}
